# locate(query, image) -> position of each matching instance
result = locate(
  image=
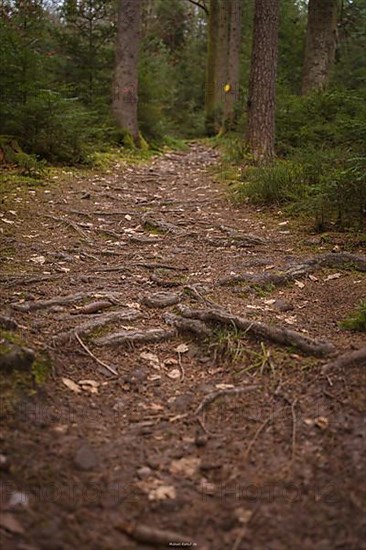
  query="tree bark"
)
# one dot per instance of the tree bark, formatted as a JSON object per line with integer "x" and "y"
{"x": 262, "y": 82}
{"x": 232, "y": 94}
{"x": 210, "y": 99}
{"x": 222, "y": 61}
{"x": 321, "y": 41}
{"x": 125, "y": 86}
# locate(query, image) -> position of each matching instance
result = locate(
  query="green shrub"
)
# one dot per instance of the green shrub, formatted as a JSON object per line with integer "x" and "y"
{"x": 282, "y": 181}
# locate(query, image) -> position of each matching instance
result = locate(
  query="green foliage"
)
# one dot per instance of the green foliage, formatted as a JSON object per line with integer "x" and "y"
{"x": 356, "y": 321}
{"x": 277, "y": 183}
{"x": 323, "y": 170}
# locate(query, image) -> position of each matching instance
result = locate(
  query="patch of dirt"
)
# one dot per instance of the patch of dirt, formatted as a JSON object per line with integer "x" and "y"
{"x": 153, "y": 456}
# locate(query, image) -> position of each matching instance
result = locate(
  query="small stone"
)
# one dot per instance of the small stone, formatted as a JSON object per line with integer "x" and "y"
{"x": 284, "y": 306}
{"x": 7, "y": 324}
{"x": 4, "y": 463}
{"x": 85, "y": 458}
{"x": 15, "y": 357}
{"x": 144, "y": 472}
{"x": 18, "y": 500}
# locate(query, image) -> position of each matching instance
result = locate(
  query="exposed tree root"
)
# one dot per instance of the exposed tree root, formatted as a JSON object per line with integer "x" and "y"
{"x": 149, "y": 222}
{"x": 199, "y": 328}
{"x": 279, "y": 335}
{"x": 162, "y": 299}
{"x": 135, "y": 337}
{"x": 74, "y": 225}
{"x": 63, "y": 300}
{"x": 13, "y": 281}
{"x": 348, "y": 359}
{"x": 341, "y": 260}
{"x": 99, "y": 322}
{"x": 164, "y": 282}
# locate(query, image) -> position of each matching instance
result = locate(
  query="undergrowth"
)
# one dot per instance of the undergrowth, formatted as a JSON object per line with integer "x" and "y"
{"x": 357, "y": 320}
{"x": 320, "y": 171}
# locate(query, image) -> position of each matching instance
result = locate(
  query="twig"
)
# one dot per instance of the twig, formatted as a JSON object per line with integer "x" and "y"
{"x": 110, "y": 369}
{"x": 255, "y": 437}
{"x": 293, "y": 412}
{"x": 181, "y": 366}
{"x": 211, "y": 397}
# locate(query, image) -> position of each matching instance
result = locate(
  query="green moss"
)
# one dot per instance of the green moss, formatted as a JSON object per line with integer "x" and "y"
{"x": 357, "y": 320}
{"x": 41, "y": 369}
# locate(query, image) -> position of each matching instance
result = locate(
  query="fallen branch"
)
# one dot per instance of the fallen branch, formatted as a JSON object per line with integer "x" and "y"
{"x": 135, "y": 337}
{"x": 199, "y": 328}
{"x": 341, "y": 260}
{"x": 279, "y": 335}
{"x": 99, "y": 361}
{"x": 348, "y": 359}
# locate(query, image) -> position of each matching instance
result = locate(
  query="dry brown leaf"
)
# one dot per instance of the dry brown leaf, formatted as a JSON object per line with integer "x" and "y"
{"x": 11, "y": 524}
{"x": 185, "y": 466}
{"x": 71, "y": 385}
{"x": 182, "y": 348}
{"x": 174, "y": 374}
{"x": 333, "y": 276}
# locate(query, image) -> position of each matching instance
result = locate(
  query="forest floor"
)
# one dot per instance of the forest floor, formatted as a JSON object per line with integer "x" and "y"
{"x": 211, "y": 433}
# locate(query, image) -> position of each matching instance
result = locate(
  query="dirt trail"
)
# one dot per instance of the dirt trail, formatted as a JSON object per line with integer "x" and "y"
{"x": 162, "y": 426}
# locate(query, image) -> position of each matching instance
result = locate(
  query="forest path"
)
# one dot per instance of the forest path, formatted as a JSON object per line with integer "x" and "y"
{"x": 210, "y": 432}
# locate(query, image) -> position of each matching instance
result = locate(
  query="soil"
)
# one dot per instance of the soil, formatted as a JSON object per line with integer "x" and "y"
{"x": 124, "y": 461}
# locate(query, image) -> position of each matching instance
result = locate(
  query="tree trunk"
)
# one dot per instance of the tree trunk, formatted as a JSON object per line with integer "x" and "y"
{"x": 222, "y": 74}
{"x": 125, "y": 87}
{"x": 321, "y": 41}
{"x": 232, "y": 94}
{"x": 210, "y": 99}
{"x": 262, "y": 82}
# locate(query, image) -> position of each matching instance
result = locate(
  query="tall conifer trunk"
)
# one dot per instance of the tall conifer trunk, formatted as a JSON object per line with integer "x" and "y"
{"x": 125, "y": 86}
{"x": 321, "y": 41}
{"x": 233, "y": 80}
{"x": 262, "y": 83}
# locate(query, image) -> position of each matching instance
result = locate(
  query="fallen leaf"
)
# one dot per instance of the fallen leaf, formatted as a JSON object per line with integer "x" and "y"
{"x": 174, "y": 374}
{"x": 156, "y": 489}
{"x": 40, "y": 260}
{"x": 243, "y": 516}
{"x": 290, "y": 320}
{"x": 92, "y": 383}
{"x": 152, "y": 359}
{"x": 11, "y": 524}
{"x": 71, "y": 385}
{"x": 321, "y": 422}
{"x": 333, "y": 276}
{"x": 182, "y": 348}
{"x": 170, "y": 361}
{"x": 10, "y": 222}
{"x": 313, "y": 278}
{"x": 185, "y": 466}
{"x": 224, "y": 386}
{"x": 299, "y": 284}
